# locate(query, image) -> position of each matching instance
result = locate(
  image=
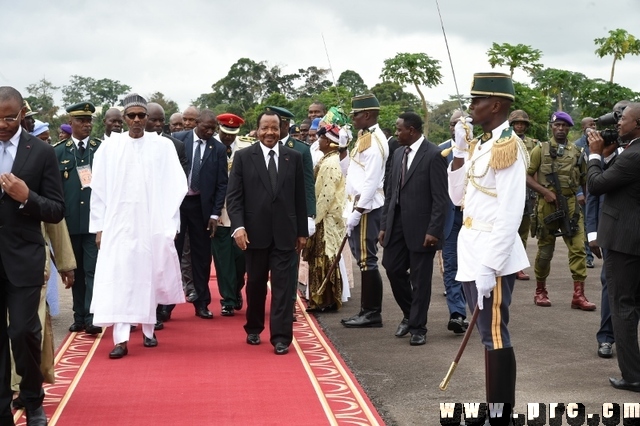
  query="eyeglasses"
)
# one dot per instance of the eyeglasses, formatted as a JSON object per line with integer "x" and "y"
{"x": 10, "y": 120}
{"x": 133, "y": 115}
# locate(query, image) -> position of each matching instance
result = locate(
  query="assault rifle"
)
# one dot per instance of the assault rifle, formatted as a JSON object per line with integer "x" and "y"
{"x": 568, "y": 227}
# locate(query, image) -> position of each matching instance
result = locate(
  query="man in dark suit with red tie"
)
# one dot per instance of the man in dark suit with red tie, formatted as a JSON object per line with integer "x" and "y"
{"x": 202, "y": 206}
{"x": 31, "y": 194}
{"x": 412, "y": 224}
{"x": 266, "y": 205}
{"x": 619, "y": 235}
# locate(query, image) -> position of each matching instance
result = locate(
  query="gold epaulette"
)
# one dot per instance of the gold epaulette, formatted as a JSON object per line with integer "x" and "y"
{"x": 247, "y": 139}
{"x": 364, "y": 141}
{"x": 505, "y": 150}
{"x": 59, "y": 142}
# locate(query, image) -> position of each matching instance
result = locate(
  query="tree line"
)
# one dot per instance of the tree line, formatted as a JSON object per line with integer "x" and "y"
{"x": 251, "y": 85}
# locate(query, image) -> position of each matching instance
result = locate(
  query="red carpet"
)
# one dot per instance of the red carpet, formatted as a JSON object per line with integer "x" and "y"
{"x": 203, "y": 372}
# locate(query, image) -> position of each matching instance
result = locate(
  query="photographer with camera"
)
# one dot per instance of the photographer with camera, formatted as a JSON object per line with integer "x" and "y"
{"x": 619, "y": 235}
{"x": 560, "y": 178}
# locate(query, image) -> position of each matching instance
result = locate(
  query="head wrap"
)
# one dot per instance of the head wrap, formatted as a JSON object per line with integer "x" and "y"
{"x": 39, "y": 128}
{"x": 132, "y": 100}
{"x": 331, "y": 131}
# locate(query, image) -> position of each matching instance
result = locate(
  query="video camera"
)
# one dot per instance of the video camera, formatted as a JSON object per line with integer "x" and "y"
{"x": 610, "y": 136}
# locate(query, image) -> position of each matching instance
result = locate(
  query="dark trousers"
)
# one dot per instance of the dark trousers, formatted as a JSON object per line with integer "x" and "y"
{"x": 455, "y": 295}
{"x": 229, "y": 262}
{"x": 409, "y": 273}
{"x": 259, "y": 263}
{"x": 25, "y": 332}
{"x": 605, "y": 333}
{"x": 191, "y": 221}
{"x": 493, "y": 320}
{"x": 364, "y": 240}
{"x": 623, "y": 278}
{"x": 86, "y": 254}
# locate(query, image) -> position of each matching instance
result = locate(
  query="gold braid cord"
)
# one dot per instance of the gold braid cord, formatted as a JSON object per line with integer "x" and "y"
{"x": 504, "y": 152}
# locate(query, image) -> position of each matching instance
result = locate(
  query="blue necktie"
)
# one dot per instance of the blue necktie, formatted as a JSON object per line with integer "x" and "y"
{"x": 6, "y": 162}
{"x": 195, "y": 169}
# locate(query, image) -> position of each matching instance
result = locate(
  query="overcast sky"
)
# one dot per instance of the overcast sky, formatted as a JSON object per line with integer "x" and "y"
{"x": 180, "y": 48}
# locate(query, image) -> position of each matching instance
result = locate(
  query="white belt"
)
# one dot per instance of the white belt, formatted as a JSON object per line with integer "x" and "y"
{"x": 477, "y": 225}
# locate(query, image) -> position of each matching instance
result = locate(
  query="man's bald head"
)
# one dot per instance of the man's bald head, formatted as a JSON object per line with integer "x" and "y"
{"x": 189, "y": 117}
{"x": 113, "y": 121}
{"x": 155, "y": 119}
{"x": 175, "y": 122}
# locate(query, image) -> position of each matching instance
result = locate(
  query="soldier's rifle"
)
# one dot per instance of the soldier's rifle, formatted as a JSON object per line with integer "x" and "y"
{"x": 562, "y": 204}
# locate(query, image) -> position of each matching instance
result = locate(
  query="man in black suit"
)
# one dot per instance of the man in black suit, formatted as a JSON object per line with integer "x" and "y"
{"x": 619, "y": 234}
{"x": 202, "y": 206}
{"x": 266, "y": 205}
{"x": 31, "y": 193}
{"x": 412, "y": 224}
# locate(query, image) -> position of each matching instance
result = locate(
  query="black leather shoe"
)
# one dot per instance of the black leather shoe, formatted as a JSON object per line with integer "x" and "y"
{"x": 253, "y": 339}
{"x": 191, "y": 296}
{"x": 227, "y": 311}
{"x": 281, "y": 349}
{"x": 204, "y": 313}
{"x": 605, "y": 350}
{"x": 159, "y": 325}
{"x": 403, "y": 328}
{"x": 590, "y": 264}
{"x": 36, "y": 417}
{"x": 149, "y": 343}
{"x": 119, "y": 351}
{"x": 93, "y": 330}
{"x": 343, "y": 320}
{"x": 76, "y": 327}
{"x": 240, "y": 302}
{"x": 458, "y": 325}
{"x": 132, "y": 328}
{"x": 418, "y": 339}
{"x": 367, "y": 319}
{"x": 623, "y": 384}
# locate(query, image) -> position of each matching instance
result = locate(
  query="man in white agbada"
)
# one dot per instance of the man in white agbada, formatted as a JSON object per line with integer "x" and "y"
{"x": 137, "y": 187}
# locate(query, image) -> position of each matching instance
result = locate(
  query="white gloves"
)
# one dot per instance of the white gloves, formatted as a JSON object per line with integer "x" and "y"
{"x": 344, "y": 136}
{"x": 462, "y": 134}
{"x": 353, "y": 220}
{"x": 485, "y": 282}
{"x": 311, "y": 223}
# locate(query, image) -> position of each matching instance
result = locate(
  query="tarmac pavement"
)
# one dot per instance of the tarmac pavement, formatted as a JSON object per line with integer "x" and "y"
{"x": 555, "y": 351}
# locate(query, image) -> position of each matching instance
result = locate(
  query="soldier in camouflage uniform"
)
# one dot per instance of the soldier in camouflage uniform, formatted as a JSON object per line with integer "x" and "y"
{"x": 519, "y": 120}
{"x": 564, "y": 158}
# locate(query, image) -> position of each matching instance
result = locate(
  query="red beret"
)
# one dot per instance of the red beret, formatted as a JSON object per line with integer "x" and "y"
{"x": 230, "y": 123}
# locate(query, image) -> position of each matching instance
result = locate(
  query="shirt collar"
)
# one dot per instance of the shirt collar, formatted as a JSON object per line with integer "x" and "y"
{"x": 77, "y": 141}
{"x": 265, "y": 149}
{"x": 196, "y": 137}
{"x": 416, "y": 145}
{"x": 16, "y": 137}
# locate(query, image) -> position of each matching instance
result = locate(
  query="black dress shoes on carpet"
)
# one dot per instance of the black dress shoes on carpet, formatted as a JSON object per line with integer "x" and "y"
{"x": 76, "y": 327}
{"x": 624, "y": 385}
{"x": 93, "y": 330}
{"x": 605, "y": 350}
{"x": 149, "y": 343}
{"x": 403, "y": 328}
{"x": 458, "y": 325}
{"x": 36, "y": 417}
{"x": 418, "y": 339}
{"x": 204, "y": 313}
{"x": 364, "y": 320}
{"x": 240, "y": 302}
{"x": 281, "y": 349}
{"x": 227, "y": 311}
{"x": 119, "y": 351}
{"x": 191, "y": 296}
{"x": 253, "y": 339}
{"x": 159, "y": 325}
{"x": 163, "y": 313}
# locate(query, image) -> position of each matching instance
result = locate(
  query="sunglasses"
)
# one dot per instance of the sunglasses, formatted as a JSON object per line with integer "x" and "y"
{"x": 133, "y": 115}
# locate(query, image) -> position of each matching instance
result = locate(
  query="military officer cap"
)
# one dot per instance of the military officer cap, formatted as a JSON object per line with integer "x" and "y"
{"x": 284, "y": 113}
{"x": 367, "y": 102}
{"x": 82, "y": 109}
{"x": 562, "y": 116}
{"x": 30, "y": 112}
{"x": 229, "y": 123}
{"x": 487, "y": 84}
{"x": 294, "y": 129}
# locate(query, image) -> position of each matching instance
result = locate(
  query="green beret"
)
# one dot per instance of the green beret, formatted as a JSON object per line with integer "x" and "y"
{"x": 364, "y": 103}
{"x": 82, "y": 109}
{"x": 282, "y": 112}
{"x": 492, "y": 84}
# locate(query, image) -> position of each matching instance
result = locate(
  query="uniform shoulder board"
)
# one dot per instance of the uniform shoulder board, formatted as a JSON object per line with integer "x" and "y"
{"x": 59, "y": 142}
{"x": 95, "y": 142}
{"x": 69, "y": 142}
{"x": 290, "y": 143}
{"x": 246, "y": 139}
{"x": 505, "y": 150}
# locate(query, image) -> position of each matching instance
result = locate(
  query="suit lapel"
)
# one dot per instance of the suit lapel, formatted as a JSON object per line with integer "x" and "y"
{"x": 261, "y": 167}
{"x": 188, "y": 147}
{"x": 416, "y": 160}
{"x": 208, "y": 148}
{"x": 22, "y": 153}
